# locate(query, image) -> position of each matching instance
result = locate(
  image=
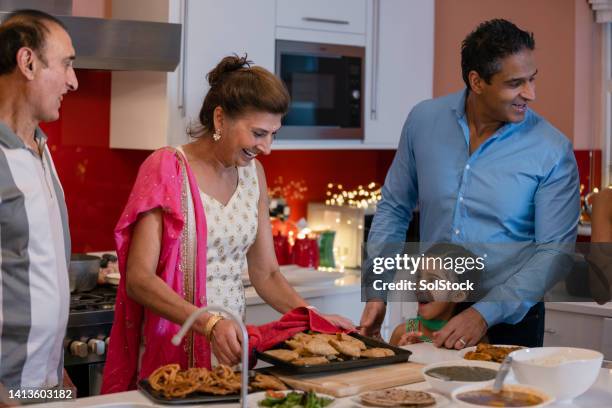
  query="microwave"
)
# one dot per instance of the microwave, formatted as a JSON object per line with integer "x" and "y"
{"x": 325, "y": 82}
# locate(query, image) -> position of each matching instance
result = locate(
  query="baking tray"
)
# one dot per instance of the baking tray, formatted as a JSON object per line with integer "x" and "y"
{"x": 401, "y": 356}
{"x": 193, "y": 398}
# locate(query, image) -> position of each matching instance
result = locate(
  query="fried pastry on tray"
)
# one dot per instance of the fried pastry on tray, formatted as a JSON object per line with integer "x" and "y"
{"x": 377, "y": 352}
{"x": 320, "y": 348}
{"x": 295, "y": 344}
{"x": 283, "y": 354}
{"x": 346, "y": 337}
{"x": 348, "y": 348}
{"x": 267, "y": 382}
{"x": 316, "y": 360}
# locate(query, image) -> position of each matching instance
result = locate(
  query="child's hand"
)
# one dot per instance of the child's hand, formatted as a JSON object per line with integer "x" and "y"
{"x": 409, "y": 338}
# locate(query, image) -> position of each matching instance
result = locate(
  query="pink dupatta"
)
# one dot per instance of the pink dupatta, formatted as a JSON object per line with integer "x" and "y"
{"x": 159, "y": 184}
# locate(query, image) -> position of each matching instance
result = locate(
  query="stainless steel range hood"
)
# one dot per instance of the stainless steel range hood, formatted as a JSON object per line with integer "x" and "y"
{"x": 112, "y": 44}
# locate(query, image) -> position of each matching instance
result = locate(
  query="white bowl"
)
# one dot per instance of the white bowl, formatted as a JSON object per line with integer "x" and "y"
{"x": 564, "y": 372}
{"x": 447, "y": 386}
{"x": 546, "y": 398}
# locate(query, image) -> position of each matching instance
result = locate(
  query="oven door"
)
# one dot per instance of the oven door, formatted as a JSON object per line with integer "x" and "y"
{"x": 325, "y": 82}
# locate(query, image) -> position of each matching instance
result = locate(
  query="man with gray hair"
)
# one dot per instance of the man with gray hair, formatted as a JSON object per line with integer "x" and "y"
{"x": 36, "y": 56}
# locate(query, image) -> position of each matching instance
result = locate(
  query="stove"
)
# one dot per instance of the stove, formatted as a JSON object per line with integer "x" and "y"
{"x": 87, "y": 335}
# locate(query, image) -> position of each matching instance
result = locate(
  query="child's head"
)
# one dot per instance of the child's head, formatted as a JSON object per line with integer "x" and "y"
{"x": 442, "y": 263}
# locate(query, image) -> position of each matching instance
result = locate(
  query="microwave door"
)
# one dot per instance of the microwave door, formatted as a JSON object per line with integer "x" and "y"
{"x": 325, "y": 96}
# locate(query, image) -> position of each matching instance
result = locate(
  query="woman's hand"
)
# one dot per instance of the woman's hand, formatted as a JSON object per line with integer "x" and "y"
{"x": 338, "y": 321}
{"x": 226, "y": 342}
{"x": 409, "y": 338}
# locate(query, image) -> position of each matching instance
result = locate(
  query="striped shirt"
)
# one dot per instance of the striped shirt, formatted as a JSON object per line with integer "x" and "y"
{"x": 34, "y": 256}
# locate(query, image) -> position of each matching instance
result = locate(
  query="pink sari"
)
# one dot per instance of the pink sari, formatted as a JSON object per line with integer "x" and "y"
{"x": 159, "y": 184}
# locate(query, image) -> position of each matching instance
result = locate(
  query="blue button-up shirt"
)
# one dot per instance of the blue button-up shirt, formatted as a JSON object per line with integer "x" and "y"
{"x": 520, "y": 186}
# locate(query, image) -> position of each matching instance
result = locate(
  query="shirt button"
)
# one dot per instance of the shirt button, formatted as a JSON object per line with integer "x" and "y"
{"x": 456, "y": 232}
{"x": 461, "y": 199}
{"x": 467, "y": 166}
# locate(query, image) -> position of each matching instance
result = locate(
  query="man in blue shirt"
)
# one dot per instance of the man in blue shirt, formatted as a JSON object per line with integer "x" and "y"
{"x": 483, "y": 168}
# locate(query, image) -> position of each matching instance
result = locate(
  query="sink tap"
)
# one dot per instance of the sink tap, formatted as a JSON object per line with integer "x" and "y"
{"x": 176, "y": 340}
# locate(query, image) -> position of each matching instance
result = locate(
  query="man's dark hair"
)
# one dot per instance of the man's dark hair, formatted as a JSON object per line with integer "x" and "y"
{"x": 484, "y": 48}
{"x": 23, "y": 28}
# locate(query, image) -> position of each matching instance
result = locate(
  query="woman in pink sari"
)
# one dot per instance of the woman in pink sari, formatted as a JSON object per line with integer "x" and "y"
{"x": 196, "y": 219}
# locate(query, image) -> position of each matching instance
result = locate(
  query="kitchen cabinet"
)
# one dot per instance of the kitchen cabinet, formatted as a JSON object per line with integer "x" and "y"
{"x": 216, "y": 29}
{"x": 340, "y": 16}
{"x": 146, "y": 105}
{"x": 150, "y": 109}
{"x": 572, "y": 329}
{"x": 399, "y": 68}
{"x": 399, "y": 45}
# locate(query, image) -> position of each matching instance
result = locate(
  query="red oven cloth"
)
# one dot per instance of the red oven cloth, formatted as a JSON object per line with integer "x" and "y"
{"x": 264, "y": 337}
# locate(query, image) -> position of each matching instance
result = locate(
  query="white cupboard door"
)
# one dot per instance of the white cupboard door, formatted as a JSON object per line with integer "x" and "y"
{"x": 399, "y": 69}
{"x": 348, "y": 16}
{"x": 216, "y": 29}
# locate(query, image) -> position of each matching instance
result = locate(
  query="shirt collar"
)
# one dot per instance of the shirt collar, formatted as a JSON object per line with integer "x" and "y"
{"x": 9, "y": 139}
{"x": 459, "y": 109}
{"x": 459, "y": 105}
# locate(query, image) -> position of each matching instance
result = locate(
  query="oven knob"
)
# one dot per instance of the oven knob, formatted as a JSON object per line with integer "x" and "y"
{"x": 356, "y": 94}
{"x": 96, "y": 346}
{"x": 78, "y": 349}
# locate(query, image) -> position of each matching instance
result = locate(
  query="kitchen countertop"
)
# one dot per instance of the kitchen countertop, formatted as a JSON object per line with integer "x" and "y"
{"x": 599, "y": 396}
{"x": 320, "y": 285}
{"x": 576, "y": 304}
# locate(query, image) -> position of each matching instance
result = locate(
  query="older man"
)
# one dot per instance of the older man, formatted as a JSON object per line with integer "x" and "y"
{"x": 36, "y": 56}
{"x": 487, "y": 170}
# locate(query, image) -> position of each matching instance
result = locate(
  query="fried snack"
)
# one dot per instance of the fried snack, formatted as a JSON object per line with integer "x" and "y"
{"x": 267, "y": 382}
{"x": 346, "y": 337}
{"x": 303, "y": 337}
{"x": 320, "y": 348}
{"x": 171, "y": 382}
{"x": 295, "y": 345}
{"x": 474, "y": 355}
{"x": 395, "y": 397}
{"x": 163, "y": 376}
{"x": 377, "y": 352}
{"x": 488, "y": 352}
{"x": 323, "y": 337}
{"x": 283, "y": 354}
{"x": 347, "y": 348}
{"x": 310, "y": 361}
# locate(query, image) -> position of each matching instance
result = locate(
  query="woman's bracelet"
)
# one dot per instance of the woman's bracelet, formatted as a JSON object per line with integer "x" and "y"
{"x": 210, "y": 325}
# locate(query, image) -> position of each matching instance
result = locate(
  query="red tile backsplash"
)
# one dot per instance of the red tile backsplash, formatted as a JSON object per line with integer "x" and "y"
{"x": 97, "y": 179}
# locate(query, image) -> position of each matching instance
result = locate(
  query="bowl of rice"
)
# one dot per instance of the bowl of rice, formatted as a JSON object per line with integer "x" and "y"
{"x": 564, "y": 372}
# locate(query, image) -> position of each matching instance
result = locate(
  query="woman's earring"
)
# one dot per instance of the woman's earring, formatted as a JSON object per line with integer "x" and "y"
{"x": 216, "y": 136}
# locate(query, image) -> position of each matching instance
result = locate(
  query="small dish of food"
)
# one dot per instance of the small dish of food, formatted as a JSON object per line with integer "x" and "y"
{"x": 290, "y": 399}
{"x": 511, "y": 395}
{"x": 447, "y": 376}
{"x": 399, "y": 397}
{"x": 564, "y": 372}
{"x": 496, "y": 353}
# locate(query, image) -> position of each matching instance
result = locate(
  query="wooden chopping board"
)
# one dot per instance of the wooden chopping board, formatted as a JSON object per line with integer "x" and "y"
{"x": 353, "y": 382}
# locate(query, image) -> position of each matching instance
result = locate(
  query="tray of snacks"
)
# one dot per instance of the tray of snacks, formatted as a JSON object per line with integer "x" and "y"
{"x": 172, "y": 386}
{"x": 496, "y": 353}
{"x": 317, "y": 352}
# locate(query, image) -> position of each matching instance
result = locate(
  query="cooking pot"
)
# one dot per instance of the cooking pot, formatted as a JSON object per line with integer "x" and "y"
{"x": 83, "y": 272}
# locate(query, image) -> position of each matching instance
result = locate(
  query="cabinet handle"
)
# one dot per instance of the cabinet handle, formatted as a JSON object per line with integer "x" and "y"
{"x": 181, "y": 90}
{"x": 325, "y": 20}
{"x": 550, "y": 331}
{"x": 375, "y": 59}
